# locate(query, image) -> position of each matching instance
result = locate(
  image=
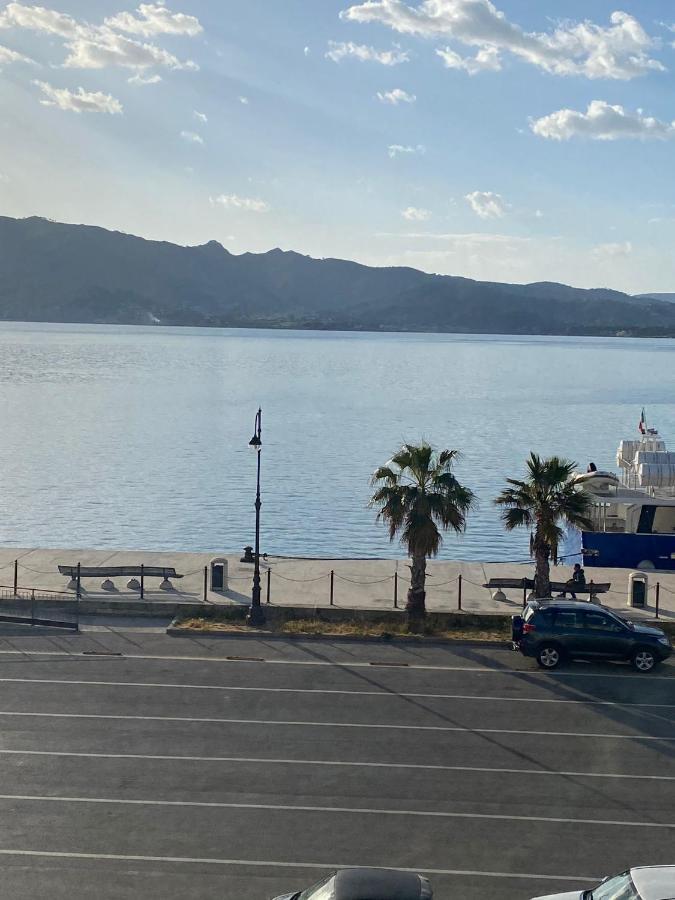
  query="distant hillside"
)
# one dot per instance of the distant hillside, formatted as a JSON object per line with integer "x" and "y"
{"x": 80, "y": 273}
{"x": 667, "y": 298}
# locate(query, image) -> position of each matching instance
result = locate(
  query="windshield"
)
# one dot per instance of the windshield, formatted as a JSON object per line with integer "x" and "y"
{"x": 619, "y": 888}
{"x": 324, "y": 890}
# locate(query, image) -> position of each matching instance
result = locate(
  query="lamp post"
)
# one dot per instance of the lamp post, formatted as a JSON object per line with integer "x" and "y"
{"x": 255, "y": 614}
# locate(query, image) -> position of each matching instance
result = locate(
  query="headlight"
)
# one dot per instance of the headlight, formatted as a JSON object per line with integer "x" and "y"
{"x": 664, "y": 640}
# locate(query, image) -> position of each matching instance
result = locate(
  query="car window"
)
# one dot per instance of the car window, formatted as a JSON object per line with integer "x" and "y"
{"x": 545, "y": 618}
{"x": 324, "y": 890}
{"x": 619, "y": 888}
{"x": 598, "y": 622}
{"x": 568, "y": 618}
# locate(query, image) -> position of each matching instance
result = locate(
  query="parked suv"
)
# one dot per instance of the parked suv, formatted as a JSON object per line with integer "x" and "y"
{"x": 553, "y": 630}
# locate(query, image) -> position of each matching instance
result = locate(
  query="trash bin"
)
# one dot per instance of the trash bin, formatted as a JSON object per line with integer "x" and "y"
{"x": 219, "y": 574}
{"x": 637, "y": 590}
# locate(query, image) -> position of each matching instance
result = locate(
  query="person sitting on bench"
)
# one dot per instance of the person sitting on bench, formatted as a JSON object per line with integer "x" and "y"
{"x": 577, "y": 580}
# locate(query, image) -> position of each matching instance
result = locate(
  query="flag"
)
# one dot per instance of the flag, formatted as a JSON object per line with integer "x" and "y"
{"x": 642, "y": 426}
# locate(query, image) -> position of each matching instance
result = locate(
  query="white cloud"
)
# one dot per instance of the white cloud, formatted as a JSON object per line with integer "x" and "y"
{"x": 90, "y": 46}
{"x": 487, "y": 204}
{"x": 201, "y": 116}
{"x": 4, "y": 179}
{"x": 396, "y": 96}
{"x": 192, "y": 137}
{"x": 37, "y": 18}
{"x": 620, "y": 50}
{"x": 486, "y": 60}
{"x": 12, "y": 56}
{"x": 306, "y": 51}
{"x": 155, "y": 18}
{"x": 244, "y": 100}
{"x": 607, "y": 252}
{"x": 601, "y": 122}
{"x": 79, "y": 101}
{"x": 414, "y": 214}
{"x": 395, "y": 150}
{"x": 140, "y": 79}
{"x": 341, "y": 50}
{"x": 233, "y": 201}
{"x": 105, "y": 48}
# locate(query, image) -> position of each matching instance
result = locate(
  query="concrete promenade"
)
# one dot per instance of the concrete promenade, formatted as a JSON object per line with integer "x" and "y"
{"x": 357, "y": 583}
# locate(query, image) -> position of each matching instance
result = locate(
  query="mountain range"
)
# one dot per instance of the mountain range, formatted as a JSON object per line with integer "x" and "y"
{"x": 54, "y": 272}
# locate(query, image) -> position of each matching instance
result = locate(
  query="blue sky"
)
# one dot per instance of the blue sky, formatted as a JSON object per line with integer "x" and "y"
{"x": 507, "y": 141}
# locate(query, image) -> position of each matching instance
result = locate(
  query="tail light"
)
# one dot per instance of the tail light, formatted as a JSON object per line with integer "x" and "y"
{"x": 528, "y": 628}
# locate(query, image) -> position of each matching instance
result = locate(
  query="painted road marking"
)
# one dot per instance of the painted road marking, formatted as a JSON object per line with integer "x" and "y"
{"x": 383, "y": 693}
{"x": 349, "y": 810}
{"x": 268, "y": 722}
{"x": 489, "y": 670}
{"x": 331, "y": 762}
{"x": 248, "y": 863}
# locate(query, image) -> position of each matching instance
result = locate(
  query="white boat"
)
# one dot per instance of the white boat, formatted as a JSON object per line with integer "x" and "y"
{"x": 633, "y": 513}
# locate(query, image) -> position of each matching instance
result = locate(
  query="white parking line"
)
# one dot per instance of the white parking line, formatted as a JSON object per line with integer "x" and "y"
{"x": 279, "y": 722}
{"x": 246, "y": 760}
{"x": 329, "y": 691}
{"x": 348, "y": 664}
{"x": 268, "y": 864}
{"x": 349, "y": 810}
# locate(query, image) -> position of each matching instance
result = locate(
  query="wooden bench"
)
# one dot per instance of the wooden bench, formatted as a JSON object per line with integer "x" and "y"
{"x": 527, "y": 584}
{"x": 77, "y": 573}
{"x": 119, "y": 571}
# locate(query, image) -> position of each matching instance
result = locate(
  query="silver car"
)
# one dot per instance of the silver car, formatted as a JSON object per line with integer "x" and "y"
{"x": 641, "y": 883}
{"x": 366, "y": 884}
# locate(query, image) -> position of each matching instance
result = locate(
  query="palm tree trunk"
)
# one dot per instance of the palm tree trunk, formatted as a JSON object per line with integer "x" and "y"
{"x": 542, "y": 575}
{"x": 416, "y": 606}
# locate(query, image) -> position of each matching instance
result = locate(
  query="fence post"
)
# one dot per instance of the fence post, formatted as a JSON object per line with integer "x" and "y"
{"x": 32, "y": 606}
{"x": 590, "y": 596}
{"x": 524, "y": 593}
{"x": 269, "y": 585}
{"x": 142, "y": 581}
{"x": 658, "y": 596}
{"x": 16, "y": 576}
{"x": 206, "y": 582}
{"x": 459, "y": 591}
{"x": 78, "y": 582}
{"x": 395, "y": 590}
{"x": 332, "y": 580}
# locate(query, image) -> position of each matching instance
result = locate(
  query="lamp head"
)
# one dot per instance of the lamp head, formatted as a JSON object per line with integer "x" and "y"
{"x": 255, "y": 443}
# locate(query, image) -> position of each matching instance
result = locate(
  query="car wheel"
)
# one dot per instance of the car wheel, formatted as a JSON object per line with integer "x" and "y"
{"x": 549, "y": 656}
{"x": 643, "y": 660}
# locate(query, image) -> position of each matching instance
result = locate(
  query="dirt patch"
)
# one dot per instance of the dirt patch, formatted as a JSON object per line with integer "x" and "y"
{"x": 352, "y": 628}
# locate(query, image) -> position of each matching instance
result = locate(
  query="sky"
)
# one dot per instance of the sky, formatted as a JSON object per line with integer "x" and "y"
{"x": 507, "y": 141}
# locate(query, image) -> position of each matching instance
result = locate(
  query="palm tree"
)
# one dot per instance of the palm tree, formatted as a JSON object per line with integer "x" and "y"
{"x": 417, "y": 496}
{"x": 545, "y": 501}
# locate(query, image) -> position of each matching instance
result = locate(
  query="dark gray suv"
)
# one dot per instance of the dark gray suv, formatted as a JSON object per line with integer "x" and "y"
{"x": 554, "y": 630}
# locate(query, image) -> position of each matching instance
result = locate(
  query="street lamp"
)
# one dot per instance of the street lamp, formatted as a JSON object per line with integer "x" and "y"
{"x": 255, "y": 614}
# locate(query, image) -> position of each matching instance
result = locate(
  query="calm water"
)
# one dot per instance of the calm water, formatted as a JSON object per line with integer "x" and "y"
{"x": 137, "y": 437}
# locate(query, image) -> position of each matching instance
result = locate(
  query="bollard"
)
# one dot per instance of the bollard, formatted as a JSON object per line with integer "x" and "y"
{"x": 142, "y": 581}
{"x": 16, "y": 576}
{"x": 78, "y": 581}
{"x": 524, "y": 593}
{"x": 332, "y": 579}
{"x": 591, "y": 596}
{"x": 269, "y": 581}
{"x": 459, "y": 591}
{"x": 32, "y": 605}
{"x": 206, "y": 582}
{"x": 658, "y": 596}
{"x": 395, "y": 590}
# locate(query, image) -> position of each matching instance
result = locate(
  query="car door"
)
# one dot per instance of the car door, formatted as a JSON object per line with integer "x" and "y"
{"x": 568, "y": 628}
{"x": 603, "y": 636}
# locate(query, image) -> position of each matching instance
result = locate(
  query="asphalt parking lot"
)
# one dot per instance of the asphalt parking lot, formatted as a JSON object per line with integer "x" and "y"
{"x": 172, "y": 771}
